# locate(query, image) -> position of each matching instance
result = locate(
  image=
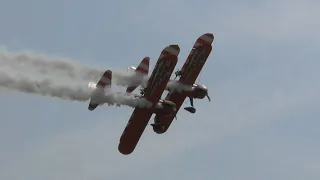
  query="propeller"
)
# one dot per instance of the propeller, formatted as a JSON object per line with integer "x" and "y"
{"x": 208, "y": 96}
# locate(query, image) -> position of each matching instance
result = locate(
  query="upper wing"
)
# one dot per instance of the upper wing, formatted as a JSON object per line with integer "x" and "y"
{"x": 161, "y": 73}
{"x": 155, "y": 87}
{"x": 143, "y": 69}
{"x": 190, "y": 72}
{"x": 196, "y": 59}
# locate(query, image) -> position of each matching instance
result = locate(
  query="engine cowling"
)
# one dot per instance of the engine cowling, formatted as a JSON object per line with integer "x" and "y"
{"x": 199, "y": 91}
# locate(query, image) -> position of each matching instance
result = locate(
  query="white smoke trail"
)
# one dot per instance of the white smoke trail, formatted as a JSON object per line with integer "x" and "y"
{"x": 175, "y": 86}
{"x": 118, "y": 99}
{"x": 46, "y": 86}
{"x": 63, "y": 67}
{"x": 43, "y": 72}
{"x": 46, "y": 65}
{"x": 123, "y": 78}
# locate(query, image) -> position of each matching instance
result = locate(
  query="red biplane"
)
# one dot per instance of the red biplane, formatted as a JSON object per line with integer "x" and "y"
{"x": 188, "y": 75}
{"x": 152, "y": 93}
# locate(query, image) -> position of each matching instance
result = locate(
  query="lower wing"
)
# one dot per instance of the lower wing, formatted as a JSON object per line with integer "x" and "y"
{"x": 134, "y": 129}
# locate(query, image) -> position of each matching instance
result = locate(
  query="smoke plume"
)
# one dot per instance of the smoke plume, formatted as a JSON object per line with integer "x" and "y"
{"x": 64, "y": 68}
{"x": 66, "y": 79}
{"x": 60, "y": 78}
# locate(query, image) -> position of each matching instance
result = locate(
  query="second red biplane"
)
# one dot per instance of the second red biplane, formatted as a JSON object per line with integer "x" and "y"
{"x": 188, "y": 75}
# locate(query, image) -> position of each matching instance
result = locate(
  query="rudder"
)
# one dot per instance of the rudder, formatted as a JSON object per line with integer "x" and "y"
{"x": 105, "y": 79}
{"x": 143, "y": 69}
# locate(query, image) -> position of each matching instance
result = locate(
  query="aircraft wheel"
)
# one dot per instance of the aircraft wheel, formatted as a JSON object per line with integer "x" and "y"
{"x": 158, "y": 129}
{"x": 190, "y": 109}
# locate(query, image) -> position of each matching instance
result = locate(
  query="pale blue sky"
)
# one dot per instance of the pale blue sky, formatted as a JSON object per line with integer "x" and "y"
{"x": 262, "y": 122}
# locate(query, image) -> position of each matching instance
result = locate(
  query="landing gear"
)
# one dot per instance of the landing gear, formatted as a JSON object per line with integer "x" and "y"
{"x": 178, "y": 73}
{"x": 190, "y": 109}
{"x": 158, "y": 127}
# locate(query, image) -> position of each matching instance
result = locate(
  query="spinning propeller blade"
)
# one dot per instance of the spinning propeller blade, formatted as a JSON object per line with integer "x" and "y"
{"x": 208, "y": 97}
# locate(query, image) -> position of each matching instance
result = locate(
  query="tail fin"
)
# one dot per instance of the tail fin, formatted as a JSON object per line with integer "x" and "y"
{"x": 143, "y": 69}
{"x": 105, "y": 81}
